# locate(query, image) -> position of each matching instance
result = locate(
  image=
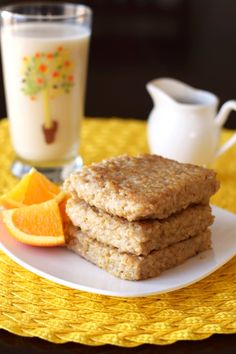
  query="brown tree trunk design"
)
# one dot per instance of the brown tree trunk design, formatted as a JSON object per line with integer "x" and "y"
{"x": 50, "y": 133}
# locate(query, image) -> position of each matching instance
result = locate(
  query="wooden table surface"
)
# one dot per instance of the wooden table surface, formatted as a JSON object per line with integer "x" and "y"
{"x": 133, "y": 42}
{"x": 11, "y": 344}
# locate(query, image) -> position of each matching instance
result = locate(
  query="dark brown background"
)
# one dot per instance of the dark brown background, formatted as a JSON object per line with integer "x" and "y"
{"x": 133, "y": 42}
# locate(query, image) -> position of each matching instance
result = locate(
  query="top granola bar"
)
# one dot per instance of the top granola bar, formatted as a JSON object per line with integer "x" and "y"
{"x": 143, "y": 187}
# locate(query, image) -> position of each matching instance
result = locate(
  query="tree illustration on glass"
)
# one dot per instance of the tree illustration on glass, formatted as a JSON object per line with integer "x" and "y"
{"x": 48, "y": 74}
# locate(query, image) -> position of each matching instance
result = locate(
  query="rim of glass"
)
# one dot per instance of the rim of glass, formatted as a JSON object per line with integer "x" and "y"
{"x": 82, "y": 10}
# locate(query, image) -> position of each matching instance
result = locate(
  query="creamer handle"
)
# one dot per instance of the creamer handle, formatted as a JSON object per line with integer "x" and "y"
{"x": 221, "y": 119}
{"x": 223, "y": 113}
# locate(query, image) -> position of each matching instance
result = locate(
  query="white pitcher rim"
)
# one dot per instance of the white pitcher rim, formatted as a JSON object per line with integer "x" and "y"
{"x": 210, "y": 98}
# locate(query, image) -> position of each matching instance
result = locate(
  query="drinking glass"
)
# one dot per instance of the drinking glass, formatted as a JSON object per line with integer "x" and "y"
{"x": 44, "y": 57}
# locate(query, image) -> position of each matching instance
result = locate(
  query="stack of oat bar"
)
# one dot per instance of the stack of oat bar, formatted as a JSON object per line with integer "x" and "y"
{"x": 138, "y": 216}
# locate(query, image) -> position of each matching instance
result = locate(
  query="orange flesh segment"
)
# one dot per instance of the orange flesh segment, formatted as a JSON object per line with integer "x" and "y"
{"x": 40, "y": 219}
{"x": 17, "y": 193}
{"x": 39, "y": 190}
{"x": 34, "y": 188}
{"x": 62, "y": 207}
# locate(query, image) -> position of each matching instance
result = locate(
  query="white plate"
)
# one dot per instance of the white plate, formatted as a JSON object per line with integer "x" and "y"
{"x": 64, "y": 267}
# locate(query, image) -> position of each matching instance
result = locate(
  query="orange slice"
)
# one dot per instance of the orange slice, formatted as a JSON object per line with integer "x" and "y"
{"x": 36, "y": 225}
{"x": 33, "y": 188}
{"x": 62, "y": 207}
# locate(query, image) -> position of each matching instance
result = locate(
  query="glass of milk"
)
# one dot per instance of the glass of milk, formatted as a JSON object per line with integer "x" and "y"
{"x": 44, "y": 55}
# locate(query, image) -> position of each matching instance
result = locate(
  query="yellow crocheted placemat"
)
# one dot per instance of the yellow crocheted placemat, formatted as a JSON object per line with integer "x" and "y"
{"x": 33, "y": 306}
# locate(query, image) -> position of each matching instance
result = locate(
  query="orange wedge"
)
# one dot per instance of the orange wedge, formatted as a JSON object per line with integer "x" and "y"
{"x": 62, "y": 207}
{"x": 36, "y": 225}
{"x": 33, "y": 188}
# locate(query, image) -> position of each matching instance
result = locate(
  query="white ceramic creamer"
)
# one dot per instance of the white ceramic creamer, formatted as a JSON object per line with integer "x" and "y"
{"x": 184, "y": 124}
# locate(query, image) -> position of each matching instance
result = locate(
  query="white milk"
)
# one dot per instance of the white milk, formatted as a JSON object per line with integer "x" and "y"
{"x": 29, "y": 113}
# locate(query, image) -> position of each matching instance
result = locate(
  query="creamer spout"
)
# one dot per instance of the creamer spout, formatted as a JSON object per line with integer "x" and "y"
{"x": 156, "y": 91}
